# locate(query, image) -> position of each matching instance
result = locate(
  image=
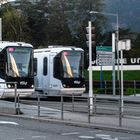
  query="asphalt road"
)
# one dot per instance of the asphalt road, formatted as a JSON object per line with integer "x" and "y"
{"x": 31, "y": 129}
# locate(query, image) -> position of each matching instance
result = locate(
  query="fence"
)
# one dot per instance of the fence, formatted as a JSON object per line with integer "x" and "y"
{"x": 16, "y": 96}
{"x": 76, "y": 108}
{"x": 105, "y": 87}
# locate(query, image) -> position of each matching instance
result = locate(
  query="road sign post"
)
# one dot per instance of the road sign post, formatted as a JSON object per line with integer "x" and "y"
{"x": 113, "y": 64}
{"x": 122, "y": 45}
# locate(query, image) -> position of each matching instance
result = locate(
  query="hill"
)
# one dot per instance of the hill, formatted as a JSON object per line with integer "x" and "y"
{"x": 128, "y": 11}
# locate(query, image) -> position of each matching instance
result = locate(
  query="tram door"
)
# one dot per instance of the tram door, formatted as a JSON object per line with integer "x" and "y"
{"x": 53, "y": 82}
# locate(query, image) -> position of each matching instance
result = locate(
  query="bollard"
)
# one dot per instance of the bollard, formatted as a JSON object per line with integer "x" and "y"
{"x": 105, "y": 86}
{"x": 134, "y": 87}
{"x": 95, "y": 105}
{"x": 89, "y": 109}
{"x": 16, "y": 110}
{"x": 62, "y": 109}
{"x": 120, "y": 113}
{"x": 72, "y": 102}
{"x": 38, "y": 104}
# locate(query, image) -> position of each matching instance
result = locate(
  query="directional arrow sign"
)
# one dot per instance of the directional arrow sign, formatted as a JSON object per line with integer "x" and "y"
{"x": 104, "y": 55}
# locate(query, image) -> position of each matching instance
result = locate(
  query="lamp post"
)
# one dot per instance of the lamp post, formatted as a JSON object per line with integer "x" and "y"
{"x": 89, "y": 37}
{"x": 116, "y": 43}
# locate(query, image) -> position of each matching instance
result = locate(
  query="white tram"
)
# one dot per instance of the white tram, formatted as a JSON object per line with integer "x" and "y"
{"x": 16, "y": 65}
{"x": 59, "y": 70}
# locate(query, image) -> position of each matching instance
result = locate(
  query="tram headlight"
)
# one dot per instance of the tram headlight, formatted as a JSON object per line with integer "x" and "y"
{"x": 50, "y": 86}
{"x": 9, "y": 86}
{"x": 64, "y": 85}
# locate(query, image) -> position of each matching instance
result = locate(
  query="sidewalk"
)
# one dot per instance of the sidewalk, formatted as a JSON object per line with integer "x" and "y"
{"x": 108, "y": 122}
{"x": 131, "y": 99}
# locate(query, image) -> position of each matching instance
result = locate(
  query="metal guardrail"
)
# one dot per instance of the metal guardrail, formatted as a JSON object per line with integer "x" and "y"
{"x": 77, "y": 105}
{"x": 16, "y": 98}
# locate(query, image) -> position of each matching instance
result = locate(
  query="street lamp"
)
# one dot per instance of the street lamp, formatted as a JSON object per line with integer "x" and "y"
{"x": 89, "y": 37}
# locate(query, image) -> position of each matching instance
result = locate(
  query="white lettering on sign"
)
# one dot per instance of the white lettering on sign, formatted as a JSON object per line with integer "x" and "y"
{"x": 126, "y": 61}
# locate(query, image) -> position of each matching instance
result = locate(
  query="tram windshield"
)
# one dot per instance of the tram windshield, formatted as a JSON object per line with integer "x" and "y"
{"x": 19, "y": 61}
{"x": 72, "y": 64}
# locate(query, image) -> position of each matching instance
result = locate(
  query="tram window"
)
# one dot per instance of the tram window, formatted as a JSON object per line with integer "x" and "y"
{"x": 58, "y": 69}
{"x": 35, "y": 66}
{"x": 45, "y": 60}
{"x": 2, "y": 66}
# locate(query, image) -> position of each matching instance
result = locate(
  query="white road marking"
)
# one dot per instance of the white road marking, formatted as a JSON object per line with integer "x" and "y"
{"x": 36, "y": 137}
{"x": 72, "y": 133}
{"x": 86, "y": 137}
{"x": 7, "y": 122}
{"x": 114, "y": 139}
{"x": 95, "y": 131}
{"x": 105, "y": 137}
{"x": 19, "y": 139}
{"x": 124, "y": 138}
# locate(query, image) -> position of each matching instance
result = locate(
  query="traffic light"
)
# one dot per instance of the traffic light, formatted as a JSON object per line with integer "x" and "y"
{"x": 91, "y": 36}
{"x": 91, "y": 41}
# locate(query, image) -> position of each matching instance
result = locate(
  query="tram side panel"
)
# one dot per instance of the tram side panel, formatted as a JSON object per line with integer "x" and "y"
{"x": 44, "y": 81}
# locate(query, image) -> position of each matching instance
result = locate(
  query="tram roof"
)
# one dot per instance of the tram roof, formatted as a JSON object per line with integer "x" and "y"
{"x": 57, "y": 48}
{"x": 4, "y": 44}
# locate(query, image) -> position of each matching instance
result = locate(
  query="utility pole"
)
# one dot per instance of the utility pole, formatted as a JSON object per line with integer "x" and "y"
{"x": 91, "y": 43}
{"x": 90, "y": 67}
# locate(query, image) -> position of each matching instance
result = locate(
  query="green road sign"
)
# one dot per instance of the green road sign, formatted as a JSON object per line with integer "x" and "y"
{"x": 104, "y": 48}
{"x": 104, "y": 55}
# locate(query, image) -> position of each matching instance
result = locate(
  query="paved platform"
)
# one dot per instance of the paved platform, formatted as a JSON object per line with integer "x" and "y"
{"x": 110, "y": 122}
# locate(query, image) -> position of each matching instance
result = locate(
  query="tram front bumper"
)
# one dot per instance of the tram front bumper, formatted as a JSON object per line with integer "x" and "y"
{"x": 70, "y": 91}
{"x": 11, "y": 93}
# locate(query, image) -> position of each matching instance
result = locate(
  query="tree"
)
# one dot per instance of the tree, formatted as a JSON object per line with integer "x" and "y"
{"x": 36, "y": 21}
{"x": 57, "y": 30}
{"x": 60, "y": 21}
{"x": 79, "y": 21}
{"x": 14, "y": 25}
